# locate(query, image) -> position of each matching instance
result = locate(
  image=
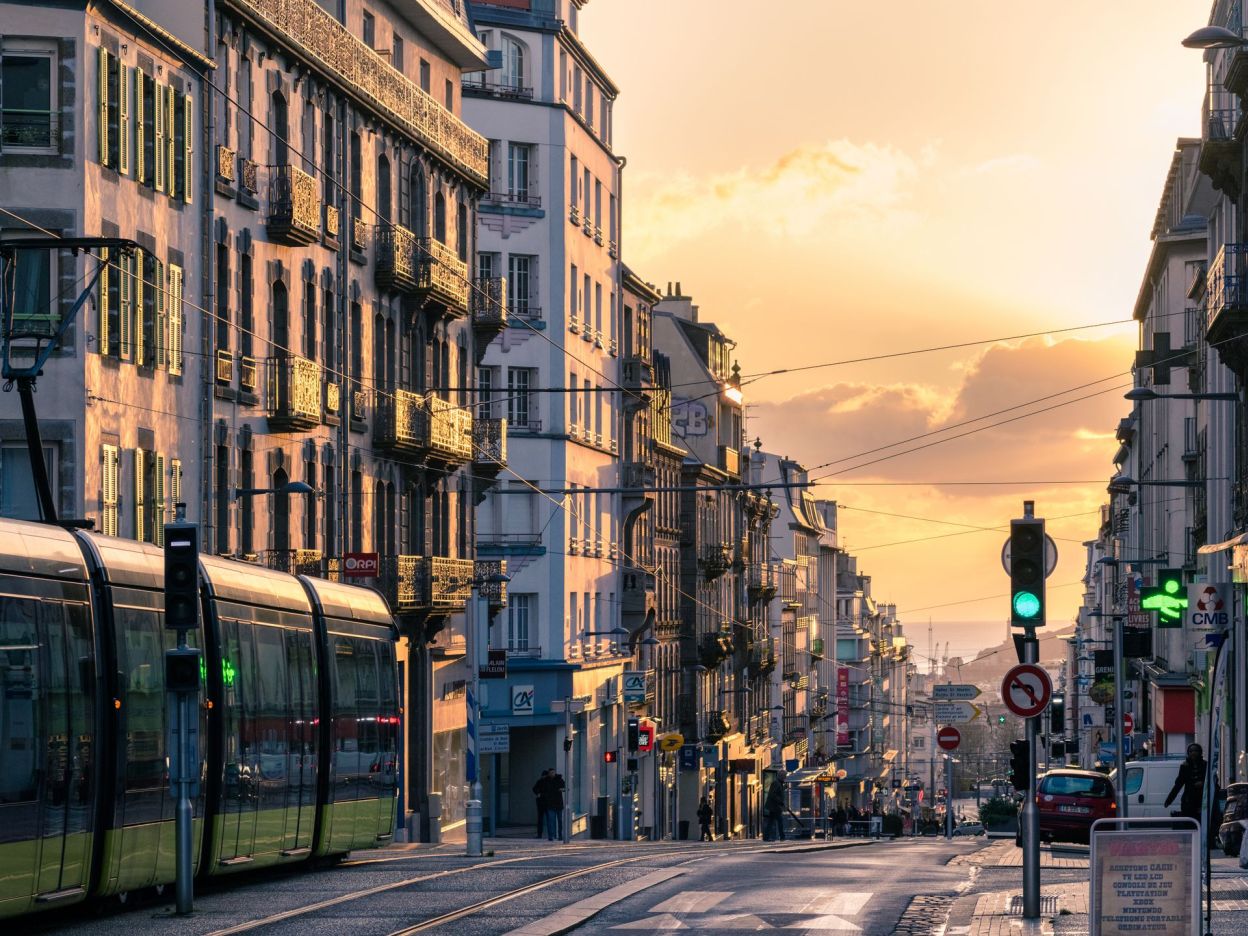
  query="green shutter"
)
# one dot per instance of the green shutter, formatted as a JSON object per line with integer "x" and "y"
{"x": 140, "y": 502}
{"x": 158, "y": 150}
{"x": 123, "y": 119}
{"x": 102, "y": 69}
{"x": 175, "y": 319}
{"x": 101, "y": 335}
{"x": 188, "y": 149}
{"x": 140, "y": 135}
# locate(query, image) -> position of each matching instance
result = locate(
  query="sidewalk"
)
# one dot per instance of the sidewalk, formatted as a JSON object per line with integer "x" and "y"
{"x": 1064, "y": 907}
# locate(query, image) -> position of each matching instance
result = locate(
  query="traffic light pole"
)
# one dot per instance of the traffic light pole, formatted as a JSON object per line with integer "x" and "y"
{"x": 1031, "y": 811}
{"x": 1120, "y": 754}
{"x": 182, "y": 682}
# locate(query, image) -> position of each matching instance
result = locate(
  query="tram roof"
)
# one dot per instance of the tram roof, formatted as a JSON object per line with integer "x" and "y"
{"x": 350, "y": 602}
{"x": 40, "y": 549}
{"x": 128, "y": 562}
{"x": 253, "y": 584}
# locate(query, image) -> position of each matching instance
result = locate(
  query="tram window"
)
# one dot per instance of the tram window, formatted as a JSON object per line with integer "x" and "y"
{"x": 141, "y": 658}
{"x": 81, "y": 702}
{"x": 303, "y": 687}
{"x": 19, "y": 716}
{"x": 273, "y": 716}
{"x": 346, "y": 741}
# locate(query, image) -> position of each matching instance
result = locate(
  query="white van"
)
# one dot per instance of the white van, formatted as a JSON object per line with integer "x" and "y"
{"x": 1149, "y": 782}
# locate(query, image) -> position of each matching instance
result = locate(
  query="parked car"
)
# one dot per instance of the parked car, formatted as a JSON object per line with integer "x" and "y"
{"x": 969, "y": 828}
{"x": 1069, "y": 801}
{"x": 1149, "y": 781}
{"x": 1231, "y": 832}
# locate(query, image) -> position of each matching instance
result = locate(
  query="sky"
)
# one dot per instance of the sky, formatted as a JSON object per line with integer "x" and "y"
{"x": 833, "y": 180}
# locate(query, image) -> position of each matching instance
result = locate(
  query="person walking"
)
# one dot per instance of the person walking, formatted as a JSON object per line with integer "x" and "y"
{"x": 705, "y": 815}
{"x": 773, "y": 813}
{"x": 554, "y": 805}
{"x": 1191, "y": 781}
{"x": 539, "y": 791}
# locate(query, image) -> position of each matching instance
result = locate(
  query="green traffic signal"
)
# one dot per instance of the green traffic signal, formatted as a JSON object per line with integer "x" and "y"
{"x": 1026, "y": 605}
{"x": 1168, "y": 598}
{"x": 1000, "y": 719}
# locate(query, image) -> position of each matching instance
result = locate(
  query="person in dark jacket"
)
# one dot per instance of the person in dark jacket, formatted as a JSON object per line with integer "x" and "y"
{"x": 1191, "y": 780}
{"x": 705, "y": 815}
{"x": 555, "y": 786}
{"x": 539, "y": 791}
{"x": 773, "y": 812}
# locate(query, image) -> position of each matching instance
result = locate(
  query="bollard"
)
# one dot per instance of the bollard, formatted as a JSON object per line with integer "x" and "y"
{"x": 473, "y": 824}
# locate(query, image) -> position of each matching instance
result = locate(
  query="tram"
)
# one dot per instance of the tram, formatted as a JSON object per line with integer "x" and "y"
{"x": 299, "y": 727}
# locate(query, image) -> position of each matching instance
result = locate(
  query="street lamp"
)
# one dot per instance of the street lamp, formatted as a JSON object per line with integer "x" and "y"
{"x": 1143, "y": 394}
{"x": 290, "y": 487}
{"x": 1214, "y": 37}
{"x": 1122, "y": 484}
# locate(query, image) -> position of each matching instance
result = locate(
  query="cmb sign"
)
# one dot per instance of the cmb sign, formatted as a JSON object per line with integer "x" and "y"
{"x": 1207, "y": 607}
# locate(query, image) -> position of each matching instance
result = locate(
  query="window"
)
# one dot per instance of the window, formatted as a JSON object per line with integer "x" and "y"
{"x": 223, "y": 297}
{"x": 574, "y": 176}
{"x": 439, "y": 217}
{"x": 149, "y": 496}
{"x": 246, "y": 506}
{"x": 518, "y": 155}
{"x": 487, "y": 265}
{"x": 29, "y": 117}
{"x": 357, "y": 171}
{"x": 18, "y": 499}
{"x": 519, "y": 399}
{"x": 32, "y": 285}
{"x": 572, "y": 384}
{"x": 574, "y": 282}
{"x": 309, "y": 321}
{"x": 370, "y": 30}
{"x": 425, "y": 77}
{"x": 519, "y": 607}
{"x": 383, "y": 187}
{"x": 328, "y": 158}
{"x": 513, "y": 63}
{"x": 450, "y": 95}
{"x": 519, "y": 284}
{"x": 329, "y": 336}
{"x": 223, "y": 498}
{"x": 109, "y": 471}
{"x": 396, "y": 52}
{"x": 309, "y": 507}
{"x": 487, "y": 378}
{"x": 246, "y": 316}
{"x": 173, "y": 349}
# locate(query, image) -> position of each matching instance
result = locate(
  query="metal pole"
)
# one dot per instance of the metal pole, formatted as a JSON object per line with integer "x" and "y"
{"x": 472, "y": 810}
{"x": 1031, "y": 811}
{"x": 1120, "y": 754}
{"x": 38, "y": 467}
{"x": 567, "y": 770}
{"x": 948, "y": 796}
{"x": 184, "y": 892}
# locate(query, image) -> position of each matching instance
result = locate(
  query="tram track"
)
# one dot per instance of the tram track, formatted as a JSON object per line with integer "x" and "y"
{"x": 451, "y": 915}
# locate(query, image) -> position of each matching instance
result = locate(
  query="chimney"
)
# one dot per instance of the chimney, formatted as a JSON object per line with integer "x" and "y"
{"x": 679, "y": 291}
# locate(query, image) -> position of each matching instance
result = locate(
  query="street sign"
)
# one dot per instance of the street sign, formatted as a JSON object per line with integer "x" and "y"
{"x": 493, "y": 739}
{"x": 948, "y": 738}
{"x": 495, "y": 665}
{"x": 688, "y": 756}
{"x": 1128, "y": 723}
{"x": 1050, "y": 555}
{"x": 1026, "y": 690}
{"x": 634, "y": 686}
{"x": 672, "y": 741}
{"x": 955, "y": 713}
{"x": 1207, "y": 607}
{"x": 956, "y": 692}
{"x": 361, "y": 565}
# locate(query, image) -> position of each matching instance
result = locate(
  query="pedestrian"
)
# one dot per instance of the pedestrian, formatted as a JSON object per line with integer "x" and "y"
{"x": 539, "y": 791}
{"x": 773, "y": 812}
{"x": 705, "y": 815}
{"x": 839, "y": 818}
{"x": 554, "y": 805}
{"x": 1191, "y": 780}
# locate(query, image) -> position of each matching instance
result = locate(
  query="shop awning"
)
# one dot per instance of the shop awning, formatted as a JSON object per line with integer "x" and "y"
{"x": 1211, "y": 548}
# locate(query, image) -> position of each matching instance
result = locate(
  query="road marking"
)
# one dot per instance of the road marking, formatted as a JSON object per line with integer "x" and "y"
{"x": 825, "y": 923}
{"x": 664, "y": 921}
{"x": 573, "y": 915}
{"x": 691, "y": 901}
{"x": 849, "y": 904}
{"x": 747, "y": 921}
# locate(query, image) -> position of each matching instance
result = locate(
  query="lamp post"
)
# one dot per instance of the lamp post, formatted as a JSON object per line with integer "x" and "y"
{"x": 1214, "y": 37}
{"x": 290, "y": 487}
{"x": 1144, "y": 394}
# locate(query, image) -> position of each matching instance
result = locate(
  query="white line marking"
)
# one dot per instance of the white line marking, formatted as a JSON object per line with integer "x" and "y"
{"x": 664, "y": 921}
{"x": 849, "y": 904}
{"x": 825, "y": 923}
{"x": 691, "y": 901}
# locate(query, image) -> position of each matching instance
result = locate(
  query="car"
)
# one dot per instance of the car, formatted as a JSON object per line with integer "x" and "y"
{"x": 1069, "y": 801}
{"x": 969, "y": 828}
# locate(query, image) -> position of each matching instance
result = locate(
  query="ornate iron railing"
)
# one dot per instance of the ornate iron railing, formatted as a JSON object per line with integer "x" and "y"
{"x": 396, "y": 258}
{"x": 1228, "y": 284}
{"x": 489, "y": 302}
{"x": 294, "y": 206}
{"x": 489, "y": 441}
{"x": 248, "y": 176}
{"x": 248, "y": 373}
{"x": 443, "y": 273}
{"x": 294, "y": 561}
{"x": 448, "y": 581}
{"x": 362, "y": 72}
{"x": 294, "y": 392}
{"x": 227, "y": 162}
{"x": 447, "y": 429}
{"x": 225, "y": 367}
{"x": 399, "y": 420}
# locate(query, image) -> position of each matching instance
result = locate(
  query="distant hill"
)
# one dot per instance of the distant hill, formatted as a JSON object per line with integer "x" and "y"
{"x": 991, "y": 664}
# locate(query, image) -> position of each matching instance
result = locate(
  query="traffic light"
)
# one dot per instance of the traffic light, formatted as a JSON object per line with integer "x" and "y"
{"x": 181, "y": 576}
{"x": 634, "y": 733}
{"x": 182, "y": 670}
{"x": 610, "y": 757}
{"x": 1057, "y": 715}
{"x": 1027, "y": 572}
{"x": 1168, "y": 598}
{"x": 1020, "y": 765}
{"x": 1000, "y": 719}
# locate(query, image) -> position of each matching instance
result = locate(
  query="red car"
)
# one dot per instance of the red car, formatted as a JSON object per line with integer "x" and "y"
{"x": 1069, "y": 801}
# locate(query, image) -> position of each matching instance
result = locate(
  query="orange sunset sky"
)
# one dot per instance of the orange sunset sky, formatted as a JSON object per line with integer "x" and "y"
{"x": 835, "y": 180}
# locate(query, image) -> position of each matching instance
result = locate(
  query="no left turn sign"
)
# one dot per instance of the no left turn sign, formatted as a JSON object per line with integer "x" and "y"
{"x": 1026, "y": 690}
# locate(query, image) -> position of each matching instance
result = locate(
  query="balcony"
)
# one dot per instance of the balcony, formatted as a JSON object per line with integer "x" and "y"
{"x": 763, "y": 655}
{"x": 248, "y": 177}
{"x": 359, "y": 404}
{"x": 443, "y": 276}
{"x": 520, "y": 199}
{"x": 717, "y": 724}
{"x": 333, "y": 224}
{"x": 489, "y": 442}
{"x": 397, "y": 581}
{"x": 359, "y": 235}
{"x": 1227, "y": 305}
{"x": 225, "y": 367}
{"x": 295, "y": 561}
{"x": 714, "y": 648}
{"x": 227, "y": 161}
{"x": 730, "y": 461}
{"x": 495, "y": 592}
{"x": 294, "y": 207}
{"x": 425, "y": 583}
{"x": 504, "y": 90}
{"x": 333, "y": 400}
{"x": 447, "y": 431}
{"x": 763, "y": 582}
{"x": 294, "y": 393}
{"x": 637, "y": 374}
{"x": 1220, "y": 154}
{"x": 316, "y": 36}
{"x": 398, "y": 425}
{"x": 489, "y": 306}
{"x": 397, "y": 264}
{"x": 716, "y": 559}
{"x": 248, "y": 374}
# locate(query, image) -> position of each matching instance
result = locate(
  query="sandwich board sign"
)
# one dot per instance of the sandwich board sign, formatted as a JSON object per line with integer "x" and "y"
{"x": 1145, "y": 876}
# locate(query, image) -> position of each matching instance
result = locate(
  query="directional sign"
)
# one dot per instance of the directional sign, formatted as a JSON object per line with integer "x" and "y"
{"x": 1026, "y": 690}
{"x": 493, "y": 739}
{"x": 955, "y": 713}
{"x": 948, "y": 738}
{"x": 956, "y": 692}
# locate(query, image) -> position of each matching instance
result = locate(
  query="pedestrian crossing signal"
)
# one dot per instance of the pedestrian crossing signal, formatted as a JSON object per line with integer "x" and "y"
{"x": 610, "y": 757}
{"x": 1168, "y": 598}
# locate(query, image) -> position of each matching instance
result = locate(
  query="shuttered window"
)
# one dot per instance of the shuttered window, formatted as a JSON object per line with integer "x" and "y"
{"x": 108, "y": 490}
{"x": 128, "y": 288}
{"x": 140, "y": 494}
{"x": 175, "y": 483}
{"x": 102, "y": 98}
{"x": 188, "y": 148}
{"x": 142, "y": 129}
{"x": 175, "y": 319}
{"x": 123, "y": 120}
{"x": 157, "y": 493}
{"x": 172, "y": 134}
{"x": 158, "y": 148}
{"x": 104, "y": 332}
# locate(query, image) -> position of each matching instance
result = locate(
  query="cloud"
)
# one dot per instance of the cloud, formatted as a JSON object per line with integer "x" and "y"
{"x": 1013, "y": 164}
{"x": 834, "y": 185}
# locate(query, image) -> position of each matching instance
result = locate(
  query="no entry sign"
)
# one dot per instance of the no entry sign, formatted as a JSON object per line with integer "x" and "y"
{"x": 949, "y": 738}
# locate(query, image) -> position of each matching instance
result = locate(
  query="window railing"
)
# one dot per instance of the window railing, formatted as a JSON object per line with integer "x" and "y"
{"x": 489, "y": 302}
{"x": 248, "y": 373}
{"x": 443, "y": 273}
{"x": 225, "y": 367}
{"x": 489, "y": 441}
{"x": 399, "y": 421}
{"x": 248, "y": 176}
{"x": 513, "y": 198}
{"x": 494, "y": 592}
{"x": 499, "y": 89}
{"x": 294, "y": 392}
{"x": 448, "y": 429}
{"x": 294, "y": 206}
{"x": 227, "y": 163}
{"x": 30, "y": 129}
{"x": 295, "y": 561}
{"x": 362, "y": 72}
{"x": 1227, "y": 284}
{"x": 396, "y": 258}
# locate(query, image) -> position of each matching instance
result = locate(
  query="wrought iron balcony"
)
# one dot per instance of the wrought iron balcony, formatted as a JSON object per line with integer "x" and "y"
{"x": 443, "y": 276}
{"x": 316, "y": 36}
{"x": 447, "y": 430}
{"x": 295, "y": 561}
{"x": 763, "y": 655}
{"x": 294, "y": 206}
{"x": 495, "y": 592}
{"x": 294, "y": 393}
{"x": 227, "y": 161}
{"x": 398, "y": 582}
{"x": 507, "y": 90}
{"x": 359, "y": 235}
{"x": 763, "y": 582}
{"x": 333, "y": 398}
{"x": 425, "y": 583}
{"x": 1227, "y": 300}
{"x": 333, "y": 225}
{"x": 716, "y": 559}
{"x": 714, "y": 648}
{"x": 397, "y": 265}
{"x": 248, "y": 177}
{"x": 398, "y": 424}
{"x": 359, "y": 404}
{"x": 489, "y": 442}
{"x": 717, "y": 724}
{"x": 489, "y": 304}
{"x": 447, "y": 582}
{"x": 1220, "y": 154}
